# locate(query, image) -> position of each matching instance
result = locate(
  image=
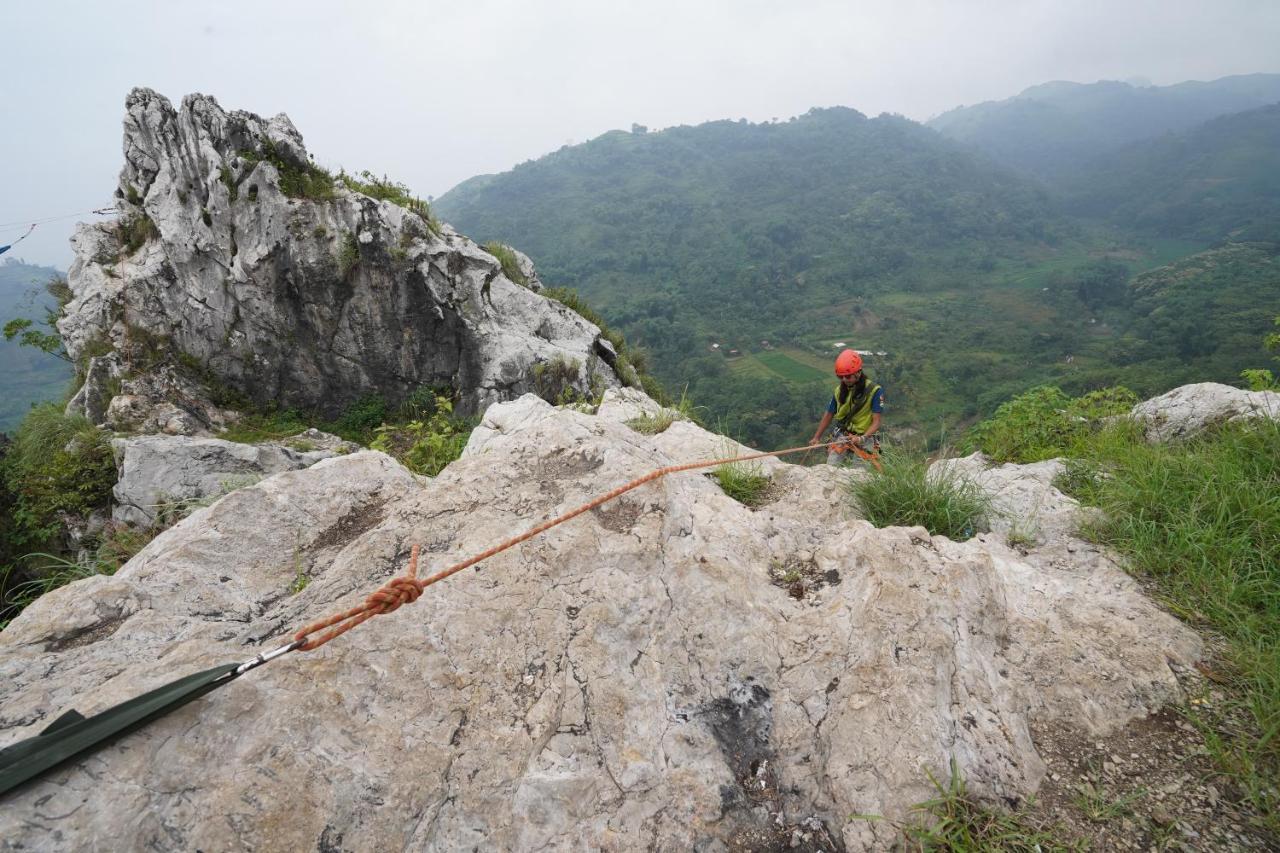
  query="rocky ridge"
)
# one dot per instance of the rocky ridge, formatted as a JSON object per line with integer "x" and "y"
{"x": 240, "y": 271}
{"x": 636, "y": 678}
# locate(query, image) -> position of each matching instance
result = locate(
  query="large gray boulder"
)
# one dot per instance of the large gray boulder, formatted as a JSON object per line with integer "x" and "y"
{"x": 669, "y": 671}
{"x": 240, "y": 266}
{"x": 1190, "y": 409}
{"x": 159, "y": 474}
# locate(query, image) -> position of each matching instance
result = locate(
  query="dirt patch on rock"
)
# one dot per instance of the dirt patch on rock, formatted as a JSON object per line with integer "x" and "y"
{"x": 619, "y": 516}
{"x": 800, "y": 576}
{"x": 1151, "y": 786}
{"x": 352, "y": 525}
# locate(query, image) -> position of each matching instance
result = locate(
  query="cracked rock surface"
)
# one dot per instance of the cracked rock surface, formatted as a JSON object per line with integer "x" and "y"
{"x": 632, "y": 679}
{"x": 287, "y": 300}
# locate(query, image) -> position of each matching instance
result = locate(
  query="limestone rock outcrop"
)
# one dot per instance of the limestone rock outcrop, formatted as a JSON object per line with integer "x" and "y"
{"x": 159, "y": 473}
{"x": 671, "y": 670}
{"x": 1190, "y": 409}
{"x": 244, "y": 270}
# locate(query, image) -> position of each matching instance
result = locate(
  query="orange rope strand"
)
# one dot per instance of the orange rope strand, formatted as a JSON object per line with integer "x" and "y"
{"x": 406, "y": 588}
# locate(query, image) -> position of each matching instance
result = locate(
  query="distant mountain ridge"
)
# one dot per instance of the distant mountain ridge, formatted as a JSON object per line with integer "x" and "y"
{"x": 1220, "y": 179}
{"x": 740, "y": 255}
{"x": 1051, "y": 129}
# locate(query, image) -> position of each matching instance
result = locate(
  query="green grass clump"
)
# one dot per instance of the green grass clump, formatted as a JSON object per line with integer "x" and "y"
{"x": 19, "y": 587}
{"x": 905, "y": 493}
{"x": 745, "y": 482}
{"x": 348, "y": 255}
{"x": 1045, "y": 423}
{"x": 134, "y": 232}
{"x": 1202, "y": 519}
{"x": 682, "y": 410}
{"x": 271, "y": 425}
{"x": 507, "y": 258}
{"x": 309, "y": 181}
{"x": 955, "y": 821}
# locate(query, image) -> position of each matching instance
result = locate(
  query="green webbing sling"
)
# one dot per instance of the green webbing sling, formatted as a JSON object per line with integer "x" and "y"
{"x": 73, "y": 734}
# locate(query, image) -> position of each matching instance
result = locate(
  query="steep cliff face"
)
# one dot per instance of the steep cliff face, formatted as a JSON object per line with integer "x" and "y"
{"x": 240, "y": 264}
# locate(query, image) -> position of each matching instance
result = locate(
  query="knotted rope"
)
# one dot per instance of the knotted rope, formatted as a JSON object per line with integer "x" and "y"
{"x": 406, "y": 588}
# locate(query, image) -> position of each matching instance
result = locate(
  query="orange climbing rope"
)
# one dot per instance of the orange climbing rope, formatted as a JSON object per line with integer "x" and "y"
{"x": 405, "y": 589}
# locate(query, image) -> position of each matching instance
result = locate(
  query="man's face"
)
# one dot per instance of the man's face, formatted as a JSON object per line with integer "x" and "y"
{"x": 851, "y": 379}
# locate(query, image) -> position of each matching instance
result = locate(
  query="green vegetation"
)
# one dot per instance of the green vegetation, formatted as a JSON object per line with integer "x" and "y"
{"x": 307, "y": 181}
{"x": 632, "y": 363}
{"x": 1202, "y": 520}
{"x": 1044, "y": 423}
{"x": 269, "y": 425}
{"x": 1221, "y": 178}
{"x": 55, "y": 467}
{"x": 681, "y": 410}
{"x": 954, "y": 820}
{"x": 426, "y": 446}
{"x": 385, "y": 189}
{"x": 507, "y": 258}
{"x": 554, "y": 380}
{"x": 745, "y": 482}
{"x": 134, "y": 232}
{"x": 904, "y": 493}
{"x": 348, "y": 254}
{"x": 56, "y": 464}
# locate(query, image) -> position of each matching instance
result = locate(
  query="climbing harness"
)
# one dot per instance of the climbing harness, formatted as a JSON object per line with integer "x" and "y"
{"x": 72, "y": 735}
{"x": 846, "y": 444}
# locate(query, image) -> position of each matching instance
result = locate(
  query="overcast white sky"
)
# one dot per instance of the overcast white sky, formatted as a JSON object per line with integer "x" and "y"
{"x": 432, "y": 92}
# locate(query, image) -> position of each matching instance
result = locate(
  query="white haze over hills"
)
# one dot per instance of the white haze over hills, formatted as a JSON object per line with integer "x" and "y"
{"x": 432, "y": 93}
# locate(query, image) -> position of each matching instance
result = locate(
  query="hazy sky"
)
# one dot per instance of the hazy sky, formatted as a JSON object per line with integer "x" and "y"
{"x": 431, "y": 93}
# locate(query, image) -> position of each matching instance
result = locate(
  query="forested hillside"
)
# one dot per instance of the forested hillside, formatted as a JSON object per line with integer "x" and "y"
{"x": 743, "y": 256}
{"x": 1219, "y": 179}
{"x": 1052, "y": 129}
{"x": 740, "y": 254}
{"x": 26, "y": 375}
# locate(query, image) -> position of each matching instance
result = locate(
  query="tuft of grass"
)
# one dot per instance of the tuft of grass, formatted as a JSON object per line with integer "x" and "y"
{"x": 348, "y": 255}
{"x": 1202, "y": 519}
{"x": 134, "y": 232}
{"x": 306, "y": 181}
{"x": 745, "y": 482}
{"x": 905, "y": 493}
{"x": 954, "y": 820}
{"x": 682, "y": 410}
{"x": 271, "y": 425}
{"x": 44, "y": 573}
{"x": 554, "y": 380}
{"x": 507, "y": 258}
{"x": 385, "y": 189}
{"x": 301, "y": 580}
{"x": 1100, "y": 806}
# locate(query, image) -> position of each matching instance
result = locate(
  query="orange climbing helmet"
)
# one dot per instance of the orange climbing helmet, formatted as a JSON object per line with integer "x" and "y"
{"x": 848, "y": 363}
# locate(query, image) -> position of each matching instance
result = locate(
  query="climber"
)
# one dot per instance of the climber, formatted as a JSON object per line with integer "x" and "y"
{"x": 856, "y": 406}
